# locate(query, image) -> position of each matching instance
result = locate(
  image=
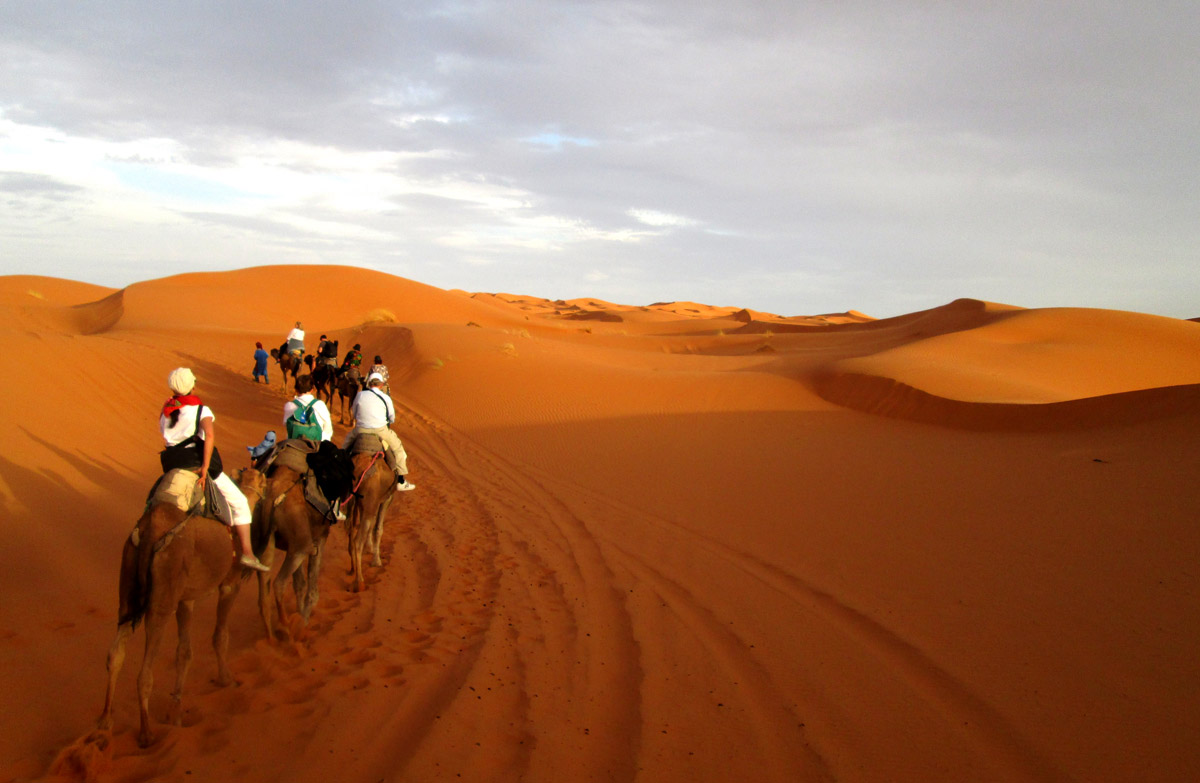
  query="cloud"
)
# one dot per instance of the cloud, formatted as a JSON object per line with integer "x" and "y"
{"x": 900, "y": 154}
{"x": 660, "y": 219}
{"x": 32, "y": 185}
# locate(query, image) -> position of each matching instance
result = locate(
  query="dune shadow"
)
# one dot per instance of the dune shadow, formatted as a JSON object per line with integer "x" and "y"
{"x": 108, "y": 473}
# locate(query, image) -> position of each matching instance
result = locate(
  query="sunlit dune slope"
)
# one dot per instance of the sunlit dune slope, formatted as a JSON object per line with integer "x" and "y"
{"x": 1045, "y": 356}
{"x": 270, "y": 299}
{"x": 668, "y": 542}
{"x": 1080, "y": 366}
{"x": 19, "y": 290}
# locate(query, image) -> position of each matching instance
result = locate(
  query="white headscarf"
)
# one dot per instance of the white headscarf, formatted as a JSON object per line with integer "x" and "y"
{"x": 181, "y": 380}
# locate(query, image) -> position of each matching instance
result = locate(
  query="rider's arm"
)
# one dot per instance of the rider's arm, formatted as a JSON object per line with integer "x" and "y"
{"x": 324, "y": 419}
{"x": 206, "y": 426}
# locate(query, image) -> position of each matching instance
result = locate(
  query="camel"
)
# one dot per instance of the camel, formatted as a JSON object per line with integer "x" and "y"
{"x": 165, "y": 566}
{"x": 324, "y": 379}
{"x": 289, "y": 524}
{"x": 288, "y": 362}
{"x": 374, "y": 487}
{"x": 349, "y": 383}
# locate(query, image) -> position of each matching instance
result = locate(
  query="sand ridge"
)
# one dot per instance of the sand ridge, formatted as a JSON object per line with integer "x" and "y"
{"x": 673, "y": 542}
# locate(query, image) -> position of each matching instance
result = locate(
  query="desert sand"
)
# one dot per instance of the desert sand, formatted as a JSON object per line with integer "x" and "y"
{"x": 673, "y": 542}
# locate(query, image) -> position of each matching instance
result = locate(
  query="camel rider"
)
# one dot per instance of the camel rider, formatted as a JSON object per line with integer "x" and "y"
{"x": 308, "y": 417}
{"x": 353, "y": 358}
{"x": 178, "y": 424}
{"x": 307, "y": 410}
{"x": 373, "y": 413}
{"x": 295, "y": 340}
{"x": 380, "y": 369}
{"x": 327, "y": 352}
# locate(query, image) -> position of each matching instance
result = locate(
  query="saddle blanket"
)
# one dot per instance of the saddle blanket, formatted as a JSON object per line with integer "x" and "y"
{"x": 293, "y": 454}
{"x": 366, "y": 443}
{"x": 177, "y": 488}
{"x": 181, "y": 488}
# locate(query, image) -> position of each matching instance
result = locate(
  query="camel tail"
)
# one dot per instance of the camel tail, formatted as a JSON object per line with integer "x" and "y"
{"x": 136, "y": 574}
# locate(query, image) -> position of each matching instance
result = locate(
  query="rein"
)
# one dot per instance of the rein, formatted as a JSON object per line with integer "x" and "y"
{"x": 169, "y": 536}
{"x": 374, "y": 458}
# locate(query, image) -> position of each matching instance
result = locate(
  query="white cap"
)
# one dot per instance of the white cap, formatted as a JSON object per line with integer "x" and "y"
{"x": 374, "y": 377}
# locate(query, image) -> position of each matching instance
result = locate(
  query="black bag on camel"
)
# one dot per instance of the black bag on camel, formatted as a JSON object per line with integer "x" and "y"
{"x": 189, "y": 454}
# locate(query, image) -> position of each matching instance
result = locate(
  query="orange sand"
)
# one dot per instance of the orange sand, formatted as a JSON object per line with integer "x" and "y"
{"x": 662, "y": 543}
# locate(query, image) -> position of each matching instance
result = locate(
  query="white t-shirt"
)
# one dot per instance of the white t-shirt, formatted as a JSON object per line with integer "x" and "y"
{"x": 319, "y": 409}
{"x": 185, "y": 426}
{"x": 373, "y": 409}
{"x": 296, "y": 334}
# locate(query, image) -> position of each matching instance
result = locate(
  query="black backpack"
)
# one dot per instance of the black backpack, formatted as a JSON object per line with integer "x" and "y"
{"x": 334, "y": 470}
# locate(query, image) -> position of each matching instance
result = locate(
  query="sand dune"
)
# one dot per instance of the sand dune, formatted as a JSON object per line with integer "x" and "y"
{"x": 665, "y": 542}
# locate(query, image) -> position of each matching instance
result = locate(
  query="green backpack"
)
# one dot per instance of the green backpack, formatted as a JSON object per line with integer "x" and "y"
{"x": 302, "y": 423}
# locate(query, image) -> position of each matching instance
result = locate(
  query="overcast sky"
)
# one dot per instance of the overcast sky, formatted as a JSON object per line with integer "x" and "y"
{"x": 794, "y": 157}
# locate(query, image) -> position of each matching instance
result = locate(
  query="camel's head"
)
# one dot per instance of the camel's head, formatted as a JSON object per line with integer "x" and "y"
{"x": 252, "y": 483}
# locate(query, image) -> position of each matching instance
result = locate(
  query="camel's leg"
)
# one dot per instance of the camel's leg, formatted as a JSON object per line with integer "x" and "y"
{"x": 357, "y": 539}
{"x": 377, "y": 535}
{"x": 183, "y": 657}
{"x": 314, "y": 571}
{"x": 266, "y": 584}
{"x": 353, "y": 520}
{"x": 377, "y": 531}
{"x": 227, "y": 593}
{"x": 155, "y": 623}
{"x": 300, "y": 588}
{"x": 291, "y": 564}
{"x": 116, "y": 658}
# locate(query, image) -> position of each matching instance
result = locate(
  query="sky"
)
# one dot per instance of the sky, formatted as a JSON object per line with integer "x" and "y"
{"x": 787, "y": 156}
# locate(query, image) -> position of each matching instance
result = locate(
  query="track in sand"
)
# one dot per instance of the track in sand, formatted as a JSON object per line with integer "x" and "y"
{"x": 521, "y": 629}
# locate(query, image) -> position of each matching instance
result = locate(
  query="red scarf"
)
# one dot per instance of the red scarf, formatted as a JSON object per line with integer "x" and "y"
{"x": 178, "y": 401}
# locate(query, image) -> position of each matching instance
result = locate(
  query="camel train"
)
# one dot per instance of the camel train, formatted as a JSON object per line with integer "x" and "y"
{"x": 179, "y": 552}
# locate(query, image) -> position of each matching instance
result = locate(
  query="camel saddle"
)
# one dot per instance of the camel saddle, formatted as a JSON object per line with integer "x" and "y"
{"x": 294, "y": 454}
{"x": 365, "y": 443}
{"x": 181, "y": 488}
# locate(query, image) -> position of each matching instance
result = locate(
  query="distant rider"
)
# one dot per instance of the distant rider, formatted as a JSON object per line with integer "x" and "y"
{"x": 353, "y": 358}
{"x": 380, "y": 369}
{"x": 295, "y": 340}
{"x": 327, "y": 352}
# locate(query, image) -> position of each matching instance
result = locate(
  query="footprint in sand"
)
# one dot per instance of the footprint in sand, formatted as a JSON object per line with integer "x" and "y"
{"x": 359, "y": 657}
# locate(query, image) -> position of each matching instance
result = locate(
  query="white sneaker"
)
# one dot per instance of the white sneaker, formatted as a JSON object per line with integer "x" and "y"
{"x": 405, "y": 487}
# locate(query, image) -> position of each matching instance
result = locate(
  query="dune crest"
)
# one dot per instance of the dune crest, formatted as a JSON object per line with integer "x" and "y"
{"x": 101, "y": 315}
{"x": 1039, "y": 356}
{"x": 884, "y": 396}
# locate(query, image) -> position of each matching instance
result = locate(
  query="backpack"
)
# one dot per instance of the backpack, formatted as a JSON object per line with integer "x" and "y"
{"x": 330, "y": 350}
{"x": 303, "y": 423}
{"x": 334, "y": 470}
